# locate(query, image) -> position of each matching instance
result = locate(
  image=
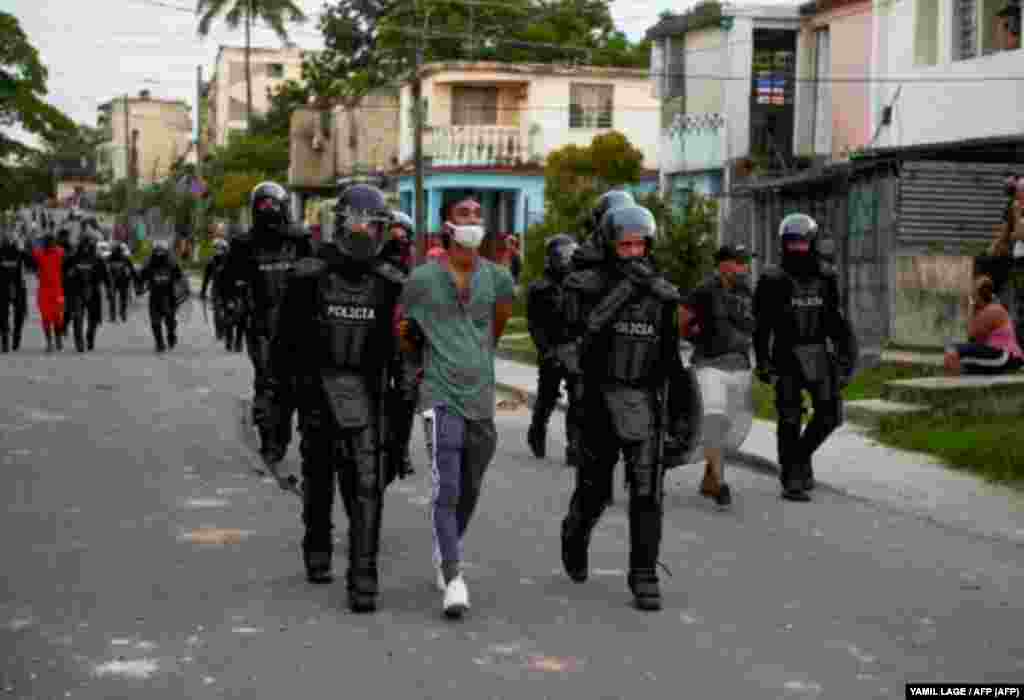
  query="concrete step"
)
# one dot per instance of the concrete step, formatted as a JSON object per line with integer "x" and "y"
{"x": 870, "y": 412}
{"x": 1000, "y": 394}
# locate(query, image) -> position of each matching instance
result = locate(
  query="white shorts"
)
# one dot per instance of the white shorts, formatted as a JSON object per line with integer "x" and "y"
{"x": 728, "y": 407}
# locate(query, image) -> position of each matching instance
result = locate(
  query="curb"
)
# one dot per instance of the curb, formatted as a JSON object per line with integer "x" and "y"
{"x": 752, "y": 461}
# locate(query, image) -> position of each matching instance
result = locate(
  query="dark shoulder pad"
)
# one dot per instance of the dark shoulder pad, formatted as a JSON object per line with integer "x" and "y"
{"x": 539, "y": 285}
{"x": 309, "y": 267}
{"x": 585, "y": 281}
{"x": 665, "y": 290}
{"x": 390, "y": 273}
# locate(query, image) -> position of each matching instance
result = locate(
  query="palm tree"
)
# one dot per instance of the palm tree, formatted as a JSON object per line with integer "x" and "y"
{"x": 271, "y": 12}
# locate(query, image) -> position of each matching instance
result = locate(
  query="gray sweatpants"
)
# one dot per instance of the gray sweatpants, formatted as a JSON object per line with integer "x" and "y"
{"x": 460, "y": 451}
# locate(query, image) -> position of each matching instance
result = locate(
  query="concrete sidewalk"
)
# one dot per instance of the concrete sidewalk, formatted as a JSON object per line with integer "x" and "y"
{"x": 850, "y": 462}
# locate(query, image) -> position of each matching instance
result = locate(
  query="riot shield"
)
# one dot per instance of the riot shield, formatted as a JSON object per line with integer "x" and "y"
{"x": 728, "y": 401}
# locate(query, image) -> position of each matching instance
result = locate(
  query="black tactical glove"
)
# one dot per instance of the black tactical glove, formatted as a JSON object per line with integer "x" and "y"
{"x": 639, "y": 272}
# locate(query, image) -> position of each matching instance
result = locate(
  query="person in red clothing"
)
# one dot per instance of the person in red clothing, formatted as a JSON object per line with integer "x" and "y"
{"x": 50, "y": 297}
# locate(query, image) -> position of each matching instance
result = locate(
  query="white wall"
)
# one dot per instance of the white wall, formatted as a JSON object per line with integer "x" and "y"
{"x": 739, "y": 59}
{"x": 930, "y": 112}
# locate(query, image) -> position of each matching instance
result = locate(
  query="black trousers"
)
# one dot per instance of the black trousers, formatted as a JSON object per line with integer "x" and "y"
{"x": 796, "y": 446}
{"x": 550, "y": 377}
{"x": 599, "y": 454}
{"x": 161, "y": 320}
{"x": 273, "y": 403}
{"x": 12, "y": 308}
{"x": 347, "y": 460}
{"x": 119, "y": 307}
{"x": 85, "y": 316}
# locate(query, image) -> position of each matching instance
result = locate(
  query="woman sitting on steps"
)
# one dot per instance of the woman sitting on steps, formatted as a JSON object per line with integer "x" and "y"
{"x": 993, "y": 348}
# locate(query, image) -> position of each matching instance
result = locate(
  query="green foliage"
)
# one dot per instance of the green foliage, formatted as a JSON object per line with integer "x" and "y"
{"x": 24, "y": 78}
{"x": 686, "y": 239}
{"x": 234, "y": 189}
{"x": 142, "y": 252}
{"x": 372, "y": 43}
{"x": 283, "y": 101}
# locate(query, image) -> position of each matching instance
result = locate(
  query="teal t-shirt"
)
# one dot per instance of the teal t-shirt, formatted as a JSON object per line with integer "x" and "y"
{"x": 458, "y": 358}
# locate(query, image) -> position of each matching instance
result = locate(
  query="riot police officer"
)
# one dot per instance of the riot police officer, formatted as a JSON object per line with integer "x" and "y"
{"x": 259, "y": 266}
{"x": 558, "y": 360}
{"x": 14, "y": 261}
{"x": 211, "y": 275}
{"x": 333, "y": 344}
{"x": 626, "y": 315}
{"x": 162, "y": 277}
{"x": 404, "y": 394}
{"x": 798, "y": 313}
{"x": 123, "y": 277}
{"x": 84, "y": 274}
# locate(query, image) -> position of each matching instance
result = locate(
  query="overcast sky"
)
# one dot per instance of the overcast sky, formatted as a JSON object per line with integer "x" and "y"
{"x": 101, "y": 49}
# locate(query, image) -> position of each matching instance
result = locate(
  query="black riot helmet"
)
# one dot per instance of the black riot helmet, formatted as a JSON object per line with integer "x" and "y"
{"x": 798, "y": 236}
{"x": 161, "y": 251}
{"x": 558, "y": 252}
{"x": 626, "y": 221}
{"x": 403, "y": 220}
{"x": 612, "y": 199}
{"x": 361, "y": 222}
{"x": 268, "y": 206}
{"x": 87, "y": 244}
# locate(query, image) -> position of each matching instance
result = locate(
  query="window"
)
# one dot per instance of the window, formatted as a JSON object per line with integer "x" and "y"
{"x": 275, "y": 70}
{"x": 590, "y": 106}
{"x": 474, "y": 106}
{"x": 979, "y": 28}
{"x": 926, "y": 33}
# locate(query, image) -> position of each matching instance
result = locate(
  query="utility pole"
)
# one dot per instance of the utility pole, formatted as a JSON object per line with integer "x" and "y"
{"x": 199, "y": 120}
{"x": 420, "y": 117}
{"x": 127, "y": 144}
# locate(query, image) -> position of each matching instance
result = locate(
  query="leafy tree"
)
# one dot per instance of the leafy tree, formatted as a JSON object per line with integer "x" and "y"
{"x": 272, "y": 12}
{"x": 233, "y": 193}
{"x": 283, "y": 101}
{"x": 686, "y": 238}
{"x": 22, "y": 89}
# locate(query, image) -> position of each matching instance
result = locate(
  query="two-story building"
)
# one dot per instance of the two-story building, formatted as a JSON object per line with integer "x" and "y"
{"x": 144, "y": 137}
{"x": 226, "y": 89}
{"x": 724, "y": 76}
{"x": 490, "y": 126}
{"x": 960, "y": 71}
{"x": 834, "y": 95}
{"x": 328, "y": 146}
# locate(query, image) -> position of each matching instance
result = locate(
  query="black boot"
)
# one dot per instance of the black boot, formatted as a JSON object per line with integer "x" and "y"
{"x": 645, "y": 524}
{"x": 90, "y": 340}
{"x": 5, "y": 342}
{"x": 363, "y": 545}
{"x": 318, "y": 566}
{"x": 16, "y": 340}
{"x": 58, "y": 340}
{"x": 536, "y": 438}
{"x": 575, "y": 546}
{"x": 49, "y": 339}
{"x": 643, "y": 583}
{"x": 172, "y": 339}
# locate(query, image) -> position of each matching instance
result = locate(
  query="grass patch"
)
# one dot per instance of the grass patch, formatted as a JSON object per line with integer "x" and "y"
{"x": 866, "y": 385}
{"x": 516, "y": 324}
{"x": 518, "y": 349}
{"x": 989, "y": 445}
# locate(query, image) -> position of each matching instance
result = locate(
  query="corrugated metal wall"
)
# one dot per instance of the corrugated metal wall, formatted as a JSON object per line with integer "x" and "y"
{"x": 950, "y": 203}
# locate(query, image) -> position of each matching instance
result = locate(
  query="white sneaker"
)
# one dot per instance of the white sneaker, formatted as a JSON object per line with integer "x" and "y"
{"x": 438, "y": 574}
{"x": 456, "y": 598}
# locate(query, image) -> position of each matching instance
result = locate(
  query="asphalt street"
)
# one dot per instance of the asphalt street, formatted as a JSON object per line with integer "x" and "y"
{"x": 143, "y": 558}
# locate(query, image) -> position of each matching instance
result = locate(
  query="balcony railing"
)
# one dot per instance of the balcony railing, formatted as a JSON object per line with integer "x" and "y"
{"x": 477, "y": 145}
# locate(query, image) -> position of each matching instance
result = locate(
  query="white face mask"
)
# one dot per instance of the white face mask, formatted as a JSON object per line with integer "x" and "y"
{"x": 468, "y": 236}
